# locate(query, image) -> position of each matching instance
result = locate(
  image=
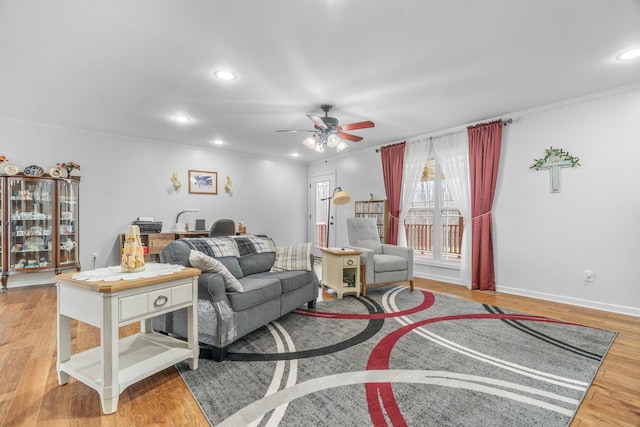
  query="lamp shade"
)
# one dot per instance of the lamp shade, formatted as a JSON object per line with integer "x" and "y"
{"x": 341, "y": 198}
{"x": 333, "y": 140}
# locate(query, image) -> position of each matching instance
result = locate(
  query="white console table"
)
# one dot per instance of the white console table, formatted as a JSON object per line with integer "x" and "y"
{"x": 341, "y": 270}
{"x": 107, "y": 305}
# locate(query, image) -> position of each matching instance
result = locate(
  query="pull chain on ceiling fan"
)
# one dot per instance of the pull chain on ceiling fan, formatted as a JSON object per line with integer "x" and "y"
{"x": 328, "y": 132}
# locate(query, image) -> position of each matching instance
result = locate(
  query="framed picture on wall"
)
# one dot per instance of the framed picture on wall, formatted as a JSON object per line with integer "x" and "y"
{"x": 203, "y": 182}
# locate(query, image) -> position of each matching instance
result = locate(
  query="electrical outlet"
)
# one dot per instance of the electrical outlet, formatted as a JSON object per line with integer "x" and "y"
{"x": 589, "y": 276}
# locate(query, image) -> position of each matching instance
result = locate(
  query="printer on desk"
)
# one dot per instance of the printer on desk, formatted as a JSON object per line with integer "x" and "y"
{"x": 148, "y": 225}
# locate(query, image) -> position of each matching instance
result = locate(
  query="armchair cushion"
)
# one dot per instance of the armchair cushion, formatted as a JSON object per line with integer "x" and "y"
{"x": 363, "y": 233}
{"x": 384, "y": 263}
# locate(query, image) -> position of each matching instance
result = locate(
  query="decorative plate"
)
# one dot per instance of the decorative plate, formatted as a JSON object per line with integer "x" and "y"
{"x": 33, "y": 170}
{"x": 55, "y": 172}
{"x": 11, "y": 169}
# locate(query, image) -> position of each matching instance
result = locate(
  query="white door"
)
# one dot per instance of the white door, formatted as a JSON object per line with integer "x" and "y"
{"x": 320, "y": 219}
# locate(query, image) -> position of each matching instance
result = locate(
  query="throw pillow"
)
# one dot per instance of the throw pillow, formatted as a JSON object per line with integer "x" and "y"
{"x": 206, "y": 263}
{"x": 293, "y": 258}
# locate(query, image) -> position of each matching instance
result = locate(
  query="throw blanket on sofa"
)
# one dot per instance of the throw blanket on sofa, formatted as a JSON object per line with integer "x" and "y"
{"x": 237, "y": 246}
{"x": 254, "y": 244}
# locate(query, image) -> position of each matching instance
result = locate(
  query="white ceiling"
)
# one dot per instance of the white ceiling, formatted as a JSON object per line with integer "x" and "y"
{"x": 412, "y": 66}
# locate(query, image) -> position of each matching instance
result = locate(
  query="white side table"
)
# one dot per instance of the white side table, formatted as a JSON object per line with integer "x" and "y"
{"x": 341, "y": 270}
{"x": 116, "y": 364}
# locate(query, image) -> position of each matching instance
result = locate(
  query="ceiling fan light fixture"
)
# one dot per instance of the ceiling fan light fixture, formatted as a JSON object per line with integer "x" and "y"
{"x": 333, "y": 140}
{"x": 310, "y": 142}
{"x": 319, "y": 147}
{"x": 225, "y": 75}
{"x": 341, "y": 146}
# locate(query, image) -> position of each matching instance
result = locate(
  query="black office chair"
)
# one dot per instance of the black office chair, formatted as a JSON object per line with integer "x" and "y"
{"x": 223, "y": 227}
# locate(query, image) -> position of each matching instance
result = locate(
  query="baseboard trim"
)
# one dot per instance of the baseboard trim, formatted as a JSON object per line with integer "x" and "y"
{"x": 614, "y": 308}
{"x": 437, "y": 277}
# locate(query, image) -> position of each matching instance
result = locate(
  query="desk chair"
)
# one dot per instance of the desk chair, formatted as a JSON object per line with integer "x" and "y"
{"x": 223, "y": 227}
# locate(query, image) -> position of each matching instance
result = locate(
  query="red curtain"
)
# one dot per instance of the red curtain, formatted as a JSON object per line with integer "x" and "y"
{"x": 484, "y": 156}
{"x": 392, "y": 164}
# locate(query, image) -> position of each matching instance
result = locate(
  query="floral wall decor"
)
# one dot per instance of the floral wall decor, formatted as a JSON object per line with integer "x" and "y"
{"x": 554, "y": 159}
{"x": 228, "y": 186}
{"x": 177, "y": 185}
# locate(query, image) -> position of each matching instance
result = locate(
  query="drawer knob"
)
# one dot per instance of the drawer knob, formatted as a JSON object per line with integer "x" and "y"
{"x": 350, "y": 262}
{"x": 160, "y": 301}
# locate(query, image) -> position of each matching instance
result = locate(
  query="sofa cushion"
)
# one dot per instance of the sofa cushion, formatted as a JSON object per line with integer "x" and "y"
{"x": 208, "y": 264}
{"x": 256, "y": 263}
{"x": 384, "y": 263}
{"x": 289, "y": 280}
{"x": 290, "y": 258}
{"x": 257, "y": 290}
{"x": 232, "y": 265}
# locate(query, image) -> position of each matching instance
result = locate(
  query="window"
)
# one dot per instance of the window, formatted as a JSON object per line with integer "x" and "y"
{"x": 433, "y": 224}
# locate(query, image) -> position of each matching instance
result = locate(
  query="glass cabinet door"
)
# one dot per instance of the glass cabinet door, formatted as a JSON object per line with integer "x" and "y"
{"x": 30, "y": 214}
{"x": 68, "y": 217}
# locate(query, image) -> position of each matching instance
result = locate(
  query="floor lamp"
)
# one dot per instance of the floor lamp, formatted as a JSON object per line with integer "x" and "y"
{"x": 339, "y": 198}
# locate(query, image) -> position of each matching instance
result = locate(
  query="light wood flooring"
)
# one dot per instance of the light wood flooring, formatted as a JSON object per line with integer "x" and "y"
{"x": 30, "y": 394}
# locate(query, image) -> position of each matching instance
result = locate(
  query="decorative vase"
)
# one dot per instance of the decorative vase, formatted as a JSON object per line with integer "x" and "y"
{"x": 133, "y": 252}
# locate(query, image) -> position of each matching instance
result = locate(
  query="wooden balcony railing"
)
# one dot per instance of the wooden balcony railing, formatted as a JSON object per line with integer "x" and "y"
{"x": 321, "y": 234}
{"x": 420, "y": 237}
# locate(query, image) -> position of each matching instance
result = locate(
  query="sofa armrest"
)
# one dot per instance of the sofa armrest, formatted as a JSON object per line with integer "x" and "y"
{"x": 211, "y": 287}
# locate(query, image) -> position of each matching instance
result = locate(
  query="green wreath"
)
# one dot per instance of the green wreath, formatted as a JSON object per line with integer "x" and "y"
{"x": 558, "y": 153}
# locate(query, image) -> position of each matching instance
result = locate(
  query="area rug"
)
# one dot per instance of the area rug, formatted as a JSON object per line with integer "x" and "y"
{"x": 400, "y": 358}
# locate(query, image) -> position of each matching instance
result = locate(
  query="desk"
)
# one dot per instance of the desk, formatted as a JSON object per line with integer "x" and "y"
{"x": 189, "y": 234}
{"x": 156, "y": 241}
{"x": 107, "y": 305}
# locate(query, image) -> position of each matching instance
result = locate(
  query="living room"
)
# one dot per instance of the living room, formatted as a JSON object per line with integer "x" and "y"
{"x": 544, "y": 241}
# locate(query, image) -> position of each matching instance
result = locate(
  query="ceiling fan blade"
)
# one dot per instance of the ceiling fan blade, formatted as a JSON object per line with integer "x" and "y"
{"x": 295, "y": 130}
{"x": 349, "y": 137}
{"x": 317, "y": 121}
{"x": 359, "y": 125}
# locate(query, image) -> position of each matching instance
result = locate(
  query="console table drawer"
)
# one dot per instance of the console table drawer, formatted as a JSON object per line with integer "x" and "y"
{"x": 150, "y": 302}
{"x": 351, "y": 261}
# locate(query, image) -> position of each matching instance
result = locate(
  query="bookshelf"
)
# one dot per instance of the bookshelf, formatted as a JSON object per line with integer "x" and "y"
{"x": 375, "y": 209}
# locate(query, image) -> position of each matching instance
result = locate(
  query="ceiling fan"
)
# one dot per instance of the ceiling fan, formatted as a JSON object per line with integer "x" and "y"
{"x": 327, "y": 131}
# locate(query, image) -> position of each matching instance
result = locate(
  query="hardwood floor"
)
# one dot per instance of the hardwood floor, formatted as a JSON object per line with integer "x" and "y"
{"x": 30, "y": 394}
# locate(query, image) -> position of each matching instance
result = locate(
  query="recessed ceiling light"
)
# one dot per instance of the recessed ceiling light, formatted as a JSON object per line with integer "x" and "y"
{"x": 295, "y": 155}
{"x": 630, "y": 54}
{"x": 225, "y": 75}
{"x": 217, "y": 141}
{"x": 181, "y": 118}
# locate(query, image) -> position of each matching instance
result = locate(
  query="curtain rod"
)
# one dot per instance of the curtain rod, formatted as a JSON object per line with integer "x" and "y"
{"x": 504, "y": 123}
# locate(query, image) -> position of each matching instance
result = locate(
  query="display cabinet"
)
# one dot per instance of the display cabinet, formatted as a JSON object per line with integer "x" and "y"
{"x": 375, "y": 209}
{"x": 39, "y": 225}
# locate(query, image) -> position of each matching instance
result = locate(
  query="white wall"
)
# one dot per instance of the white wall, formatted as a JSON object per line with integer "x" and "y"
{"x": 126, "y": 178}
{"x": 544, "y": 242}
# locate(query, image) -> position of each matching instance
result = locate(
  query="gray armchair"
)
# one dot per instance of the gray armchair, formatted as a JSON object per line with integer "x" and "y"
{"x": 223, "y": 227}
{"x": 384, "y": 263}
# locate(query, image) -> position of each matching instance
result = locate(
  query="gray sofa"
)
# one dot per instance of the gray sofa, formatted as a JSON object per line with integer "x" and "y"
{"x": 224, "y": 315}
